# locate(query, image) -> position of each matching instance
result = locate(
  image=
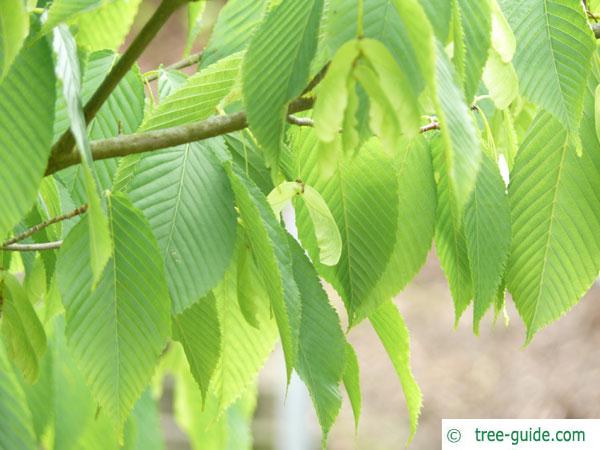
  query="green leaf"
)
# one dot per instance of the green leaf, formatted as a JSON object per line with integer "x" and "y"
{"x": 185, "y": 194}
{"x": 244, "y": 349}
{"x": 22, "y": 330}
{"x": 194, "y": 24}
{"x": 107, "y": 26}
{"x": 487, "y": 231}
{"x": 27, "y": 103}
{"x": 14, "y": 27}
{"x": 144, "y": 427}
{"x": 198, "y": 330}
{"x": 450, "y": 239}
{"x": 117, "y": 355}
{"x": 16, "y": 431}
{"x": 416, "y": 220}
{"x": 66, "y": 10}
{"x": 472, "y": 41}
{"x": 321, "y": 348}
{"x": 282, "y": 194}
{"x": 462, "y": 151}
{"x": 501, "y": 80}
{"x": 327, "y": 234}
{"x": 440, "y": 16}
{"x": 553, "y": 37}
{"x": 68, "y": 72}
{"x": 198, "y": 98}
{"x": 235, "y": 25}
{"x": 251, "y": 291}
{"x": 555, "y": 212}
{"x": 362, "y": 197}
{"x": 40, "y": 396}
{"x": 352, "y": 383}
{"x": 276, "y": 68}
{"x": 274, "y": 261}
{"x": 503, "y": 38}
{"x": 392, "y": 331}
{"x": 169, "y": 81}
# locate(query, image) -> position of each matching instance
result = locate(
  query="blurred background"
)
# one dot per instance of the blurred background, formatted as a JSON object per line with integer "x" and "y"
{"x": 461, "y": 375}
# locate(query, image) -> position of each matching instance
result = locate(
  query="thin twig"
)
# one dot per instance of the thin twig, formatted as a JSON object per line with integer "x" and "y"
{"x": 167, "y": 7}
{"x": 300, "y": 121}
{"x": 430, "y": 126}
{"x": 187, "y": 62}
{"x": 40, "y": 226}
{"x": 32, "y": 247}
{"x": 316, "y": 80}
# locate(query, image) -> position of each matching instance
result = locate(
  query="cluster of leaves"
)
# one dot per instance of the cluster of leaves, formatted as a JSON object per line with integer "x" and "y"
{"x": 177, "y": 261}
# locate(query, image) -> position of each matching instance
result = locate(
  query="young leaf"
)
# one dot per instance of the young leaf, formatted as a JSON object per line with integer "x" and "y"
{"x": 65, "y": 10}
{"x": 450, "y": 239}
{"x": 198, "y": 330}
{"x": 185, "y": 194}
{"x": 503, "y": 38}
{"x": 553, "y": 37}
{"x": 251, "y": 292}
{"x": 27, "y": 96}
{"x": 487, "y": 231}
{"x": 462, "y": 150}
{"x": 22, "y": 330}
{"x": 198, "y": 98}
{"x": 276, "y": 68}
{"x": 555, "y": 212}
{"x": 117, "y": 355}
{"x": 501, "y": 80}
{"x": 16, "y": 430}
{"x": 352, "y": 383}
{"x": 392, "y": 331}
{"x": 14, "y": 27}
{"x": 269, "y": 243}
{"x": 282, "y": 195}
{"x": 321, "y": 349}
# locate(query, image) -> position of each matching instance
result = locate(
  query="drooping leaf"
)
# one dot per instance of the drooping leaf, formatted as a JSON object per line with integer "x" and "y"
{"x": 185, "y": 194}
{"x": 392, "y": 331}
{"x": 198, "y": 330}
{"x": 487, "y": 231}
{"x": 282, "y": 195}
{"x": 321, "y": 348}
{"x": 553, "y": 38}
{"x": 440, "y": 16}
{"x": 22, "y": 331}
{"x": 16, "y": 430}
{"x": 169, "y": 81}
{"x": 27, "y": 96}
{"x": 450, "y": 239}
{"x": 234, "y": 28}
{"x": 555, "y": 254}
{"x": 276, "y": 68}
{"x": 251, "y": 292}
{"x": 65, "y": 10}
{"x": 269, "y": 243}
{"x": 352, "y": 383}
{"x": 14, "y": 27}
{"x": 244, "y": 349}
{"x": 462, "y": 151}
{"x": 107, "y": 26}
{"x": 194, "y": 24}
{"x": 116, "y": 355}
{"x": 501, "y": 80}
{"x": 143, "y": 430}
{"x": 198, "y": 98}
{"x": 503, "y": 38}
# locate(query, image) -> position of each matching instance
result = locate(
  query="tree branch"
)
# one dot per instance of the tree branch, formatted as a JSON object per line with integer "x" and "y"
{"x": 40, "y": 226}
{"x": 167, "y": 7}
{"x": 32, "y": 247}
{"x": 168, "y": 137}
{"x": 596, "y": 29}
{"x": 187, "y": 62}
{"x": 300, "y": 121}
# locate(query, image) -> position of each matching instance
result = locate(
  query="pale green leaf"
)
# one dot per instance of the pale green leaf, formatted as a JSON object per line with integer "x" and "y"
{"x": 276, "y": 68}
{"x": 144, "y": 431}
{"x": 27, "y": 96}
{"x": 194, "y": 23}
{"x": 392, "y": 331}
{"x": 555, "y": 212}
{"x": 198, "y": 98}
{"x": 503, "y": 38}
{"x": 327, "y": 234}
{"x": 116, "y": 355}
{"x": 16, "y": 431}
{"x": 440, "y": 16}
{"x": 462, "y": 151}
{"x": 321, "y": 348}
{"x": 185, "y": 194}
{"x": 487, "y": 231}
{"x": 66, "y": 10}
{"x": 107, "y": 26}
{"x": 553, "y": 57}
{"x": 22, "y": 331}
{"x": 269, "y": 244}
{"x": 501, "y": 80}
{"x": 198, "y": 330}
{"x": 14, "y": 27}
{"x": 251, "y": 291}
{"x": 352, "y": 383}
{"x": 169, "y": 81}
{"x": 282, "y": 195}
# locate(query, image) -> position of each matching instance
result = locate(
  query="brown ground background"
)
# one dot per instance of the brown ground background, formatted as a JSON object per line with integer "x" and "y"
{"x": 461, "y": 375}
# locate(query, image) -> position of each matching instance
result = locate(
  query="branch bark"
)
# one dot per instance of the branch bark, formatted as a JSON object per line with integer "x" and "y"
{"x": 32, "y": 247}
